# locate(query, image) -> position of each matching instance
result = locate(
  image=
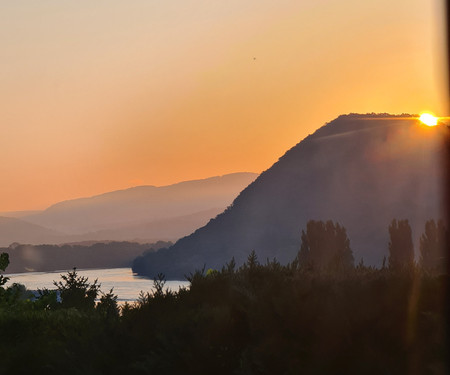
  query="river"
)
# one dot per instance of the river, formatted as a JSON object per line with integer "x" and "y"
{"x": 127, "y": 286}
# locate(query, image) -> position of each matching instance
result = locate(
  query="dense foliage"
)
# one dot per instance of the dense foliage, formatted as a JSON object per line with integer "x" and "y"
{"x": 254, "y": 319}
{"x": 325, "y": 246}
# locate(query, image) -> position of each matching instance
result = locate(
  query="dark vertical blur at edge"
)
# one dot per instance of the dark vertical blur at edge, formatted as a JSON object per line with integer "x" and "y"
{"x": 447, "y": 190}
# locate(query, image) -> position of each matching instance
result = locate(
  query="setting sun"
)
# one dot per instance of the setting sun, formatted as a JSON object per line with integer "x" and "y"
{"x": 428, "y": 119}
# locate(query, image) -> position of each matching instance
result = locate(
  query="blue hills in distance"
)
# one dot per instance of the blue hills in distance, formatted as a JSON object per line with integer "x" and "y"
{"x": 143, "y": 213}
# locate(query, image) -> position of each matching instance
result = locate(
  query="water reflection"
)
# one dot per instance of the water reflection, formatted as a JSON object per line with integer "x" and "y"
{"x": 126, "y": 285}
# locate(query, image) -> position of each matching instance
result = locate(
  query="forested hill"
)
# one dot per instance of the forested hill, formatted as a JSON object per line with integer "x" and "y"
{"x": 359, "y": 170}
{"x": 84, "y": 255}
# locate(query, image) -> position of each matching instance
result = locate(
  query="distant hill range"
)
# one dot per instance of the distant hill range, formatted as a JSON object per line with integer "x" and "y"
{"x": 17, "y": 230}
{"x": 359, "y": 170}
{"x": 143, "y": 213}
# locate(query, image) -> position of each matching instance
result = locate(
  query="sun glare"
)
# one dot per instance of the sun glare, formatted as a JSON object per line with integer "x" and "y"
{"x": 428, "y": 119}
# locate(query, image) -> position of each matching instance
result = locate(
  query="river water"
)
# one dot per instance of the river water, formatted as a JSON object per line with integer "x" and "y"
{"x": 127, "y": 286}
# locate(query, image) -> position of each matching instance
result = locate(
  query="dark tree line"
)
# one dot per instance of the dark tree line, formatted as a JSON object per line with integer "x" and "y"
{"x": 319, "y": 314}
{"x": 326, "y": 246}
{"x": 84, "y": 255}
{"x": 433, "y": 246}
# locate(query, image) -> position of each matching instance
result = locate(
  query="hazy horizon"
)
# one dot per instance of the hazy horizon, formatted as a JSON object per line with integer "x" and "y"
{"x": 103, "y": 96}
{"x": 18, "y": 212}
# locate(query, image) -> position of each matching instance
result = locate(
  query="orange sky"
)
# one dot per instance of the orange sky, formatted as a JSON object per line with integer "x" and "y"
{"x": 98, "y": 96}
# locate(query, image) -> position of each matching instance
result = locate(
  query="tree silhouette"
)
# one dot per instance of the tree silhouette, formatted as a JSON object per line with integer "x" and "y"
{"x": 108, "y": 306}
{"x": 433, "y": 245}
{"x": 76, "y": 291}
{"x": 325, "y": 246}
{"x": 401, "y": 248}
{"x": 252, "y": 260}
{"x": 4, "y": 262}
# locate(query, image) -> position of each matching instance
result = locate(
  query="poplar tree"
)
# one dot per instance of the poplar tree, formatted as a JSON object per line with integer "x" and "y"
{"x": 433, "y": 244}
{"x": 401, "y": 248}
{"x": 325, "y": 245}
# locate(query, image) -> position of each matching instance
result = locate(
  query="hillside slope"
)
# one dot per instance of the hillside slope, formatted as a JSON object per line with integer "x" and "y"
{"x": 145, "y": 232}
{"x": 359, "y": 170}
{"x": 12, "y": 230}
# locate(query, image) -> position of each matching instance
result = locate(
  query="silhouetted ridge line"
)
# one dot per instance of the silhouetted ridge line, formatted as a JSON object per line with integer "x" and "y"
{"x": 147, "y": 213}
{"x": 358, "y": 170}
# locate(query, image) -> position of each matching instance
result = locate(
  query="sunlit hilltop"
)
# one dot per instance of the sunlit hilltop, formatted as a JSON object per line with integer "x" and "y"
{"x": 98, "y": 95}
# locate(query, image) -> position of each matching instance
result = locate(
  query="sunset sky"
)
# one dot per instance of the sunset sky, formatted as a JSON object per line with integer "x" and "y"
{"x": 102, "y": 95}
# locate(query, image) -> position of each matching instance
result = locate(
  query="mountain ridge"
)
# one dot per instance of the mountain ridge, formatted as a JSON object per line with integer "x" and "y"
{"x": 355, "y": 169}
{"x": 147, "y": 212}
{"x": 143, "y": 188}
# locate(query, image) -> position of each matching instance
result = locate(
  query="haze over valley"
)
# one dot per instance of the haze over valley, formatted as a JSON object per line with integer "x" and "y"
{"x": 124, "y": 224}
{"x": 143, "y": 213}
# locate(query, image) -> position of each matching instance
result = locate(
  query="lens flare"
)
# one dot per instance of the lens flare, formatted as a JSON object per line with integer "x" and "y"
{"x": 428, "y": 119}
